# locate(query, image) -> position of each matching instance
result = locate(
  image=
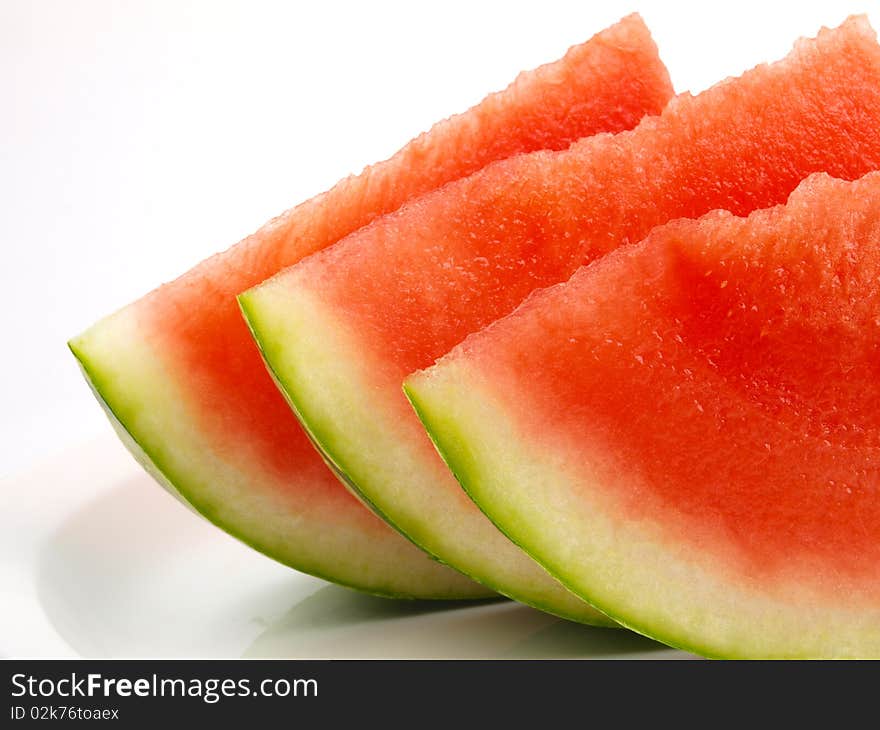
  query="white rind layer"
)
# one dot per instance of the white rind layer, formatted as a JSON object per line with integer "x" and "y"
{"x": 331, "y": 538}
{"x": 383, "y": 451}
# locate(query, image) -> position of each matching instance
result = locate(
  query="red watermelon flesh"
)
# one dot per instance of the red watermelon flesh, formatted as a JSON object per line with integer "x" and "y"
{"x": 455, "y": 260}
{"x": 708, "y": 400}
{"x": 184, "y": 383}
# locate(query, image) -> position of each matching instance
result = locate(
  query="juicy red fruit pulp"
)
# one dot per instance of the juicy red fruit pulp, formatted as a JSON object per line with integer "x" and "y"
{"x": 604, "y": 85}
{"x": 723, "y": 385}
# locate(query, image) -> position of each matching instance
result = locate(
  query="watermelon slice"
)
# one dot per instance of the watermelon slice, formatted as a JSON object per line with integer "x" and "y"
{"x": 457, "y": 259}
{"x": 185, "y": 386}
{"x": 687, "y": 433}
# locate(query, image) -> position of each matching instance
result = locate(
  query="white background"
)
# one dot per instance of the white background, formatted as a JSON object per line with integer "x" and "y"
{"x": 138, "y": 137}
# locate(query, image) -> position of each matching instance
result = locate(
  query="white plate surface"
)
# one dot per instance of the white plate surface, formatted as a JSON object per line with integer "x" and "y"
{"x": 97, "y": 561}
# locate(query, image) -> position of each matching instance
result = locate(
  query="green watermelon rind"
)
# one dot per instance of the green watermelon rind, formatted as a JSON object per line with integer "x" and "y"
{"x": 119, "y": 409}
{"x": 269, "y": 344}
